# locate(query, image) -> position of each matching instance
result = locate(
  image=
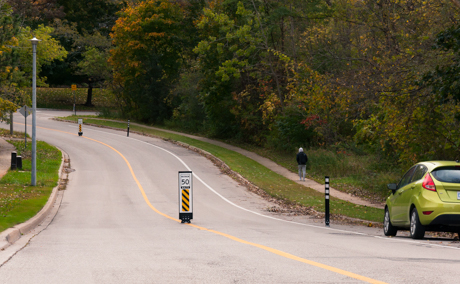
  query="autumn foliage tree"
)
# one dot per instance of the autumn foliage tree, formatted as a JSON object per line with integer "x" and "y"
{"x": 374, "y": 53}
{"x": 16, "y": 55}
{"x": 241, "y": 57}
{"x": 35, "y": 12}
{"x": 290, "y": 73}
{"x": 147, "y": 56}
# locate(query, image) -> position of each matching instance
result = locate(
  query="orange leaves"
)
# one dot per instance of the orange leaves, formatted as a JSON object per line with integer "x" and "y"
{"x": 155, "y": 34}
{"x": 312, "y": 120}
{"x": 148, "y": 42}
{"x": 135, "y": 64}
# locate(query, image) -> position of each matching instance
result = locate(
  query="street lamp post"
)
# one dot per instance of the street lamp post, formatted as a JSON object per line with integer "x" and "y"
{"x": 34, "y": 110}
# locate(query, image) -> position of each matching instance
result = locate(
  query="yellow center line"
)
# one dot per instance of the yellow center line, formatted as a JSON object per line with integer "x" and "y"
{"x": 269, "y": 249}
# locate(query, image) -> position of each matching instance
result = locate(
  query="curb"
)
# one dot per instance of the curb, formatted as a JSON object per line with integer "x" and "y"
{"x": 11, "y": 235}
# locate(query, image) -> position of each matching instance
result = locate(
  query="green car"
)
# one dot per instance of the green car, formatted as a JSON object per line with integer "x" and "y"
{"x": 426, "y": 199}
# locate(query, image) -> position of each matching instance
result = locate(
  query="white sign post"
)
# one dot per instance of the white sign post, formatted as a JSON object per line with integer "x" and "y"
{"x": 80, "y": 122}
{"x": 25, "y": 111}
{"x": 74, "y": 88}
{"x": 185, "y": 196}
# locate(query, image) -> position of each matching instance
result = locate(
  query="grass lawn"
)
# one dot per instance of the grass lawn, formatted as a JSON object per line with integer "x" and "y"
{"x": 351, "y": 173}
{"x": 19, "y": 201}
{"x": 64, "y": 98}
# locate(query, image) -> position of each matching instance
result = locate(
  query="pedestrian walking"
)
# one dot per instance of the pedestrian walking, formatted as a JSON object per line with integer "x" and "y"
{"x": 302, "y": 160}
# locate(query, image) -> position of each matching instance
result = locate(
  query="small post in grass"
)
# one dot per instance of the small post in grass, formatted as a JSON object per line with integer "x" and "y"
{"x": 326, "y": 183}
{"x": 128, "y": 128}
{"x": 13, "y": 161}
{"x": 74, "y": 88}
{"x": 19, "y": 162}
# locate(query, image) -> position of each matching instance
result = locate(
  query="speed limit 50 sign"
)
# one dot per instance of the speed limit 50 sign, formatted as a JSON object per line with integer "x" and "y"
{"x": 185, "y": 196}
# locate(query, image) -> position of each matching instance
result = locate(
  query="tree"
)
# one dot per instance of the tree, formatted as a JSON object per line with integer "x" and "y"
{"x": 86, "y": 25}
{"x": 9, "y": 60}
{"x": 241, "y": 55}
{"x": 16, "y": 57}
{"x": 36, "y": 12}
{"x": 91, "y": 15}
{"x": 9, "y": 28}
{"x": 48, "y": 50}
{"x": 148, "y": 40}
{"x": 445, "y": 79}
{"x": 95, "y": 67}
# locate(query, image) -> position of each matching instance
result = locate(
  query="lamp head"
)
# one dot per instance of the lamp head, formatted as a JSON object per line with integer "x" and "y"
{"x": 35, "y": 41}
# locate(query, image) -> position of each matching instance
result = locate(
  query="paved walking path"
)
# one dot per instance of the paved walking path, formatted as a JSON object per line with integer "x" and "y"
{"x": 5, "y": 156}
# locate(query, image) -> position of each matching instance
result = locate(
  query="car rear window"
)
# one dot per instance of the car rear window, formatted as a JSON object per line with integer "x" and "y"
{"x": 447, "y": 174}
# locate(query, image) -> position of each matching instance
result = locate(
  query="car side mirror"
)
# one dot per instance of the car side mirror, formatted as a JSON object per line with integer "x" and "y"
{"x": 393, "y": 187}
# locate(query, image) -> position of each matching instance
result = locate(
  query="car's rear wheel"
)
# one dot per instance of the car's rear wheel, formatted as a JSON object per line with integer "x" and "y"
{"x": 417, "y": 230}
{"x": 388, "y": 229}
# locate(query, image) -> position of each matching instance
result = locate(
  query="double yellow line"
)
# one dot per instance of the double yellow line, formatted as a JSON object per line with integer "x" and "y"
{"x": 269, "y": 249}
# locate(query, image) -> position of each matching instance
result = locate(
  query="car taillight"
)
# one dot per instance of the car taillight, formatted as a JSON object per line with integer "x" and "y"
{"x": 428, "y": 183}
{"x": 427, "y": 212}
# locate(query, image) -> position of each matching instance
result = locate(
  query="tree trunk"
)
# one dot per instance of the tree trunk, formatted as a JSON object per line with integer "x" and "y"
{"x": 11, "y": 123}
{"x": 89, "y": 97}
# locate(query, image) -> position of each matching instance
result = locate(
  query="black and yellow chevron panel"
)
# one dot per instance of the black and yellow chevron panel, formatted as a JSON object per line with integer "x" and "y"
{"x": 185, "y": 200}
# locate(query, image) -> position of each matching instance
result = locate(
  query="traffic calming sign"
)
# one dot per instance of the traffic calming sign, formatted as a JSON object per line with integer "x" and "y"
{"x": 185, "y": 196}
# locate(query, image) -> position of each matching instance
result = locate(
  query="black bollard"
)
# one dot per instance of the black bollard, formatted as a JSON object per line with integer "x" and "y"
{"x": 13, "y": 160}
{"x": 19, "y": 162}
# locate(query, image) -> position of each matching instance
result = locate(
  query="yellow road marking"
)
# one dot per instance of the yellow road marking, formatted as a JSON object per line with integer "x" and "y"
{"x": 293, "y": 257}
{"x": 269, "y": 249}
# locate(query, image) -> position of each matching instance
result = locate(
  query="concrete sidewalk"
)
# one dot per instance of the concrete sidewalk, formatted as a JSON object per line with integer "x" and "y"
{"x": 5, "y": 156}
{"x": 274, "y": 167}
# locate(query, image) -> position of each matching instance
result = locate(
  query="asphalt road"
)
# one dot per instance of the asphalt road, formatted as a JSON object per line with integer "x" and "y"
{"x": 117, "y": 222}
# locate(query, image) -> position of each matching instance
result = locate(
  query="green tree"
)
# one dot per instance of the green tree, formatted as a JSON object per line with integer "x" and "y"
{"x": 16, "y": 57}
{"x": 148, "y": 40}
{"x": 9, "y": 28}
{"x": 445, "y": 79}
{"x": 95, "y": 67}
{"x": 91, "y": 15}
{"x": 10, "y": 75}
{"x": 242, "y": 56}
{"x": 372, "y": 54}
{"x": 48, "y": 50}
{"x": 85, "y": 26}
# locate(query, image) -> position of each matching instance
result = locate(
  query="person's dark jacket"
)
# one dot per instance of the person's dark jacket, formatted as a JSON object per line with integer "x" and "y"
{"x": 302, "y": 158}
